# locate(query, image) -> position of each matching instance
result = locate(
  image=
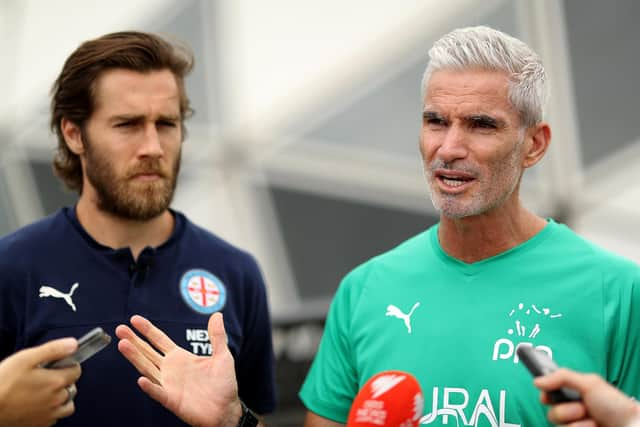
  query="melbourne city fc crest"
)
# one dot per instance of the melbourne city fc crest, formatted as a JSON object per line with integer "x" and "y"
{"x": 203, "y": 291}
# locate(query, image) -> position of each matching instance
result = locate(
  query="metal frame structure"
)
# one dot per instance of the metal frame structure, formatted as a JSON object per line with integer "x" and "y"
{"x": 230, "y": 163}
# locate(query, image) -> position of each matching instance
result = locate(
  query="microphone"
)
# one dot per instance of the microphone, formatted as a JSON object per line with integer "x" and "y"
{"x": 138, "y": 270}
{"x": 145, "y": 261}
{"x": 388, "y": 399}
{"x": 142, "y": 266}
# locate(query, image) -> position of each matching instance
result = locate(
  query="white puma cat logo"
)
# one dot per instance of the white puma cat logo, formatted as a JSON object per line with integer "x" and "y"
{"x": 394, "y": 311}
{"x": 48, "y": 291}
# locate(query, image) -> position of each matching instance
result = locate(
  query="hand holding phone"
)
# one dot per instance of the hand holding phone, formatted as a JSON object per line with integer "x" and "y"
{"x": 88, "y": 345}
{"x": 539, "y": 364}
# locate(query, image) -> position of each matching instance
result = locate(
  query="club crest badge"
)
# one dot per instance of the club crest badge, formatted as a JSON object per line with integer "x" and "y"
{"x": 203, "y": 291}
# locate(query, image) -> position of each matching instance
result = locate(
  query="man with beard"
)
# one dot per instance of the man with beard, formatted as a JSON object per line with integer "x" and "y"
{"x": 118, "y": 110}
{"x": 452, "y": 304}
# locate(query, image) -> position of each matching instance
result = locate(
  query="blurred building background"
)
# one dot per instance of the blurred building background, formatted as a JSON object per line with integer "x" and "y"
{"x": 303, "y": 149}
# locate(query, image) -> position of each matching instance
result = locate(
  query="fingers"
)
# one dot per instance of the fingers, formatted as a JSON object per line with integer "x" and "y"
{"x": 63, "y": 395}
{"x": 155, "y": 336}
{"x": 582, "y": 423}
{"x": 49, "y": 351}
{"x": 154, "y": 391}
{"x": 565, "y": 413}
{"x": 125, "y": 333}
{"x": 217, "y": 334}
{"x": 69, "y": 375}
{"x": 140, "y": 353}
{"x": 555, "y": 380}
{"x": 64, "y": 410}
{"x": 567, "y": 378}
{"x": 72, "y": 392}
{"x": 140, "y": 361}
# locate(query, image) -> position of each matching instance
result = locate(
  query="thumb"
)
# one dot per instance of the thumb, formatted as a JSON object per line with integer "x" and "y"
{"x": 217, "y": 335}
{"x": 49, "y": 351}
{"x": 567, "y": 378}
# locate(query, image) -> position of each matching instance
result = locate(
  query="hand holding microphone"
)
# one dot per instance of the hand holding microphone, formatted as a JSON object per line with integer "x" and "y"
{"x": 602, "y": 404}
{"x": 388, "y": 399}
{"x": 584, "y": 399}
{"x": 31, "y": 396}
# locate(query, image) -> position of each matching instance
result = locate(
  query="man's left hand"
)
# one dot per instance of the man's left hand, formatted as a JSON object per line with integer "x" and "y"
{"x": 200, "y": 390}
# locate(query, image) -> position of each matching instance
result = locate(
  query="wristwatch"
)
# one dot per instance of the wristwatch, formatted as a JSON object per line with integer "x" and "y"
{"x": 248, "y": 418}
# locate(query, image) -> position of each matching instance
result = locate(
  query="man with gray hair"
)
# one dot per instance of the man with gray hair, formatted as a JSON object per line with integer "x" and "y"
{"x": 451, "y": 305}
{"x": 491, "y": 275}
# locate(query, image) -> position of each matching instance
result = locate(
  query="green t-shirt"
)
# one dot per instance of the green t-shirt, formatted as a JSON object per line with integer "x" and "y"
{"x": 455, "y": 326}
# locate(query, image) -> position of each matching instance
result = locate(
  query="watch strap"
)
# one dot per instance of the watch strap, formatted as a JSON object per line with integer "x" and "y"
{"x": 248, "y": 418}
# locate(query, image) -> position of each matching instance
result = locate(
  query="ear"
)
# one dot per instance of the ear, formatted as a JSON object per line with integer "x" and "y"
{"x": 538, "y": 140}
{"x": 72, "y": 136}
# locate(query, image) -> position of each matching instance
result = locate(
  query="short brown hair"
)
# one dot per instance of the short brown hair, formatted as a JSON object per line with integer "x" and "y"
{"x": 73, "y": 93}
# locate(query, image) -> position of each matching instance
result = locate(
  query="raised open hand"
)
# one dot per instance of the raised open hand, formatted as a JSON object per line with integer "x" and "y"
{"x": 200, "y": 390}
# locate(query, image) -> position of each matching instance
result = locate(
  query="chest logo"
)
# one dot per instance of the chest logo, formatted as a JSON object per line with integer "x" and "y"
{"x": 202, "y": 291}
{"x": 528, "y": 322}
{"x": 394, "y": 311}
{"x": 48, "y": 291}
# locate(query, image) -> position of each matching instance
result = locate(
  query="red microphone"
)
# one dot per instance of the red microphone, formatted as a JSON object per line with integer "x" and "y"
{"x": 388, "y": 399}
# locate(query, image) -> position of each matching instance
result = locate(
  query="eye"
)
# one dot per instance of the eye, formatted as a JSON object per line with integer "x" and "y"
{"x": 436, "y": 122}
{"x": 433, "y": 121}
{"x": 166, "y": 123}
{"x": 483, "y": 123}
{"x": 124, "y": 124}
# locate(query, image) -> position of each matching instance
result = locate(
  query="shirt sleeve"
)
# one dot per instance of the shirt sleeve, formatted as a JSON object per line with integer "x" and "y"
{"x": 332, "y": 382}
{"x": 255, "y": 365}
{"x": 623, "y": 311}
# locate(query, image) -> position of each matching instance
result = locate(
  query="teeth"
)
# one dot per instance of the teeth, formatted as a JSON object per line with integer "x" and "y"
{"x": 452, "y": 182}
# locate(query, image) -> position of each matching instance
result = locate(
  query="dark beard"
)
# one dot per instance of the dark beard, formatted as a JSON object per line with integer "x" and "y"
{"x": 119, "y": 196}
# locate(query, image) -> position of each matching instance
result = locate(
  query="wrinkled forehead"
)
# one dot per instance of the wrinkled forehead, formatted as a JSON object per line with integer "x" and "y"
{"x": 469, "y": 91}
{"x": 123, "y": 89}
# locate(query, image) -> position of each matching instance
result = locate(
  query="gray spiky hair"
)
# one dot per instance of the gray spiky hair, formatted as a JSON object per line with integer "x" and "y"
{"x": 485, "y": 48}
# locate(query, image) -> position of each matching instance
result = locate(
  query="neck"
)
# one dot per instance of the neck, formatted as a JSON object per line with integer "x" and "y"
{"x": 472, "y": 239}
{"x": 115, "y": 232}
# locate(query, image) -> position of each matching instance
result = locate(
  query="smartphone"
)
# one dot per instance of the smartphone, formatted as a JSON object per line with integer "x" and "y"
{"x": 539, "y": 363}
{"x": 88, "y": 345}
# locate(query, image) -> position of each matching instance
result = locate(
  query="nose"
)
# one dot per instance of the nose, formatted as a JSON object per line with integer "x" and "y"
{"x": 454, "y": 144}
{"x": 151, "y": 145}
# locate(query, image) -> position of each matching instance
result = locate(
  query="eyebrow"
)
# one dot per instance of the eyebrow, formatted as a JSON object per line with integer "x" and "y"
{"x": 137, "y": 117}
{"x": 486, "y": 119}
{"x": 431, "y": 115}
{"x": 171, "y": 118}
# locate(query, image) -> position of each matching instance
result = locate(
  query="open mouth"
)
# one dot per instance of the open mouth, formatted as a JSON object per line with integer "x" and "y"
{"x": 453, "y": 182}
{"x": 453, "y": 179}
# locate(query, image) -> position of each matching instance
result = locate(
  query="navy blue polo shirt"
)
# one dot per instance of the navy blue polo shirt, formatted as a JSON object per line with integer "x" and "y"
{"x": 56, "y": 281}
